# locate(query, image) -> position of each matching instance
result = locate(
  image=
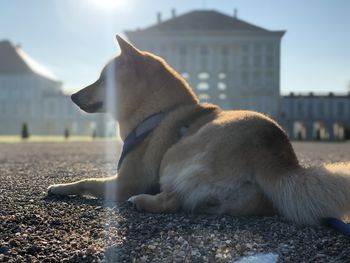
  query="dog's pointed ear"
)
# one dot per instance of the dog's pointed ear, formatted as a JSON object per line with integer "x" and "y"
{"x": 127, "y": 49}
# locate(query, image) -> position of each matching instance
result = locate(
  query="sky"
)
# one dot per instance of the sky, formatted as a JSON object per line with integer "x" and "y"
{"x": 75, "y": 38}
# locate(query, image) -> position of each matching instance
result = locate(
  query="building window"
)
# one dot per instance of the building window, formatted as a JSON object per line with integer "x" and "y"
{"x": 340, "y": 108}
{"x": 204, "y": 97}
{"x": 183, "y": 50}
{"x": 203, "y": 86}
{"x": 269, "y": 61}
{"x": 310, "y": 110}
{"x": 257, "y": 61}
{"x": 222, "y": 75}
{"x": 269, "y": 77}
{"x": 222, "y": 85}
{"x": 245, "y": 48}
{"x": 257, "y": 78}
{"x": 204, "y": 62}
{"x": 269, "y": 48}
{"x": 224, "y": 62}
{"x": 257, "y": 48}
{"x": 222, "y": 96}
{"x": 204, "y": 51}
{"x": 244, "y": 77}
{"x": 183, "y": 63}
{"x": 224, "y": 51}
{"x": 185, "y": 75}
{"x": 245, "y": 61}
{"x": 203, "y": 75}
{"x": 320, "y": 109}
{"x": 300, "y": 108}
{"x": 52, "y": 108}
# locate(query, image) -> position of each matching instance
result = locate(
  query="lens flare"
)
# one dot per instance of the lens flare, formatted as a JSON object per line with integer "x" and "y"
{"x": 108, "y": 4}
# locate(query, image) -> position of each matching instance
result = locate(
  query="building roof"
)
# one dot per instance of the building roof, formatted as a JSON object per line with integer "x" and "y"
{"x": 203, "y": 20}
{"x": 15, "y": 61}
{"x": 302, "y": 95}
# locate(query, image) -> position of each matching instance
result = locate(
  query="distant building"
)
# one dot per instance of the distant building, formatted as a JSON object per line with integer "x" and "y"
{"x": 226, "y": 60}
{"x": 30, "y": 94}
{"x": 316, "y": 116}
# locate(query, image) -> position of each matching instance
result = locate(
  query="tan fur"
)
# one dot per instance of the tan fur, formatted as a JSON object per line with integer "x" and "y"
{"x": 232, "y": 162}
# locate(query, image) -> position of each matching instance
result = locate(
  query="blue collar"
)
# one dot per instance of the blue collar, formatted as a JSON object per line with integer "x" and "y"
{"x": 139, "y": 134}
{"x": 337, "y": 225}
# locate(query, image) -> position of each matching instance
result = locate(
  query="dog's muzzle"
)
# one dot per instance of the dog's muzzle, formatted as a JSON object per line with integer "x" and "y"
{"x": 85, "y": 106}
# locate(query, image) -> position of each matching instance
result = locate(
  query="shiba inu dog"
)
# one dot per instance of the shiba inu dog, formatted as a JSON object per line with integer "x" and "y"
{"x": 196, "y": 157}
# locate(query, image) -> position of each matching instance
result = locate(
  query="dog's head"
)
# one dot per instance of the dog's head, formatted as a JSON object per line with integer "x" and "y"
{"x": 133, "y": 80}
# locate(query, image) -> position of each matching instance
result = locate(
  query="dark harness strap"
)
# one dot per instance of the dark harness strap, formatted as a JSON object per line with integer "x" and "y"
{"x": 337, "y": 225}
{"x": 146, "y": 127}
{"x": 139, "y": 134}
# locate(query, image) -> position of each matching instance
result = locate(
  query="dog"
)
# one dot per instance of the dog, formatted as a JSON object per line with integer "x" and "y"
{"x": 197, "y": 157}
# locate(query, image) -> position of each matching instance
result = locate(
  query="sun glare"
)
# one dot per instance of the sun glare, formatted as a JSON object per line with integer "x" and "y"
{"x": 108, "y": 4}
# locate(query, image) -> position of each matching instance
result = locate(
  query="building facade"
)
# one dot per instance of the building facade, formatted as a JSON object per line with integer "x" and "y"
{"x": 30, "y": 95}
{"x": 227, "y": 61}
{"x": 316, "y": 116}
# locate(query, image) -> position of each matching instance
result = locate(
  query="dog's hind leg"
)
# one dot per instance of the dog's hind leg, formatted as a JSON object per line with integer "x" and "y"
{"x": 98, "y": 187}
{"x": 164, "y": 202}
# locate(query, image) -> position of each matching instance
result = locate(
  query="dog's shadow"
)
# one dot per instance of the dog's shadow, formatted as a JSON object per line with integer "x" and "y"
{"x": 80, "y": 200}
{"x": 191, "y": 234}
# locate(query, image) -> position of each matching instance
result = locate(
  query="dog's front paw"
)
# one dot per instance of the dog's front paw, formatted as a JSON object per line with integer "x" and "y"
{"x": 134, "y": 201}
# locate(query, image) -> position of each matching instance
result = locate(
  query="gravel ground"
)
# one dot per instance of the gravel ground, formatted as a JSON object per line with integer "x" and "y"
{"x": 34, "y": 228}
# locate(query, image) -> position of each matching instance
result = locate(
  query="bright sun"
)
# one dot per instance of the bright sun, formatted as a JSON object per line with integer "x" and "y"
{"x": 108, "y": 4}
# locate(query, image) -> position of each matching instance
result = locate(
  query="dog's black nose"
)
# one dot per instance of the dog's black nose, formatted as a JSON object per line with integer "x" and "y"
{"x": 74, "y": 97}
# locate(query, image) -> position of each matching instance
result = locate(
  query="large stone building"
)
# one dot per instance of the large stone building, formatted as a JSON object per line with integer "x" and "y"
{"x": 316, "y": 116}
{"x": 30, "y": 94}
{"x": 236, "y": 65}
{"x": 226, "y": 60}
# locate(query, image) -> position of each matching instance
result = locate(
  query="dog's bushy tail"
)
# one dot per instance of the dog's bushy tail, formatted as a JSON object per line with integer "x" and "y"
{"x": 306, "y": 195}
